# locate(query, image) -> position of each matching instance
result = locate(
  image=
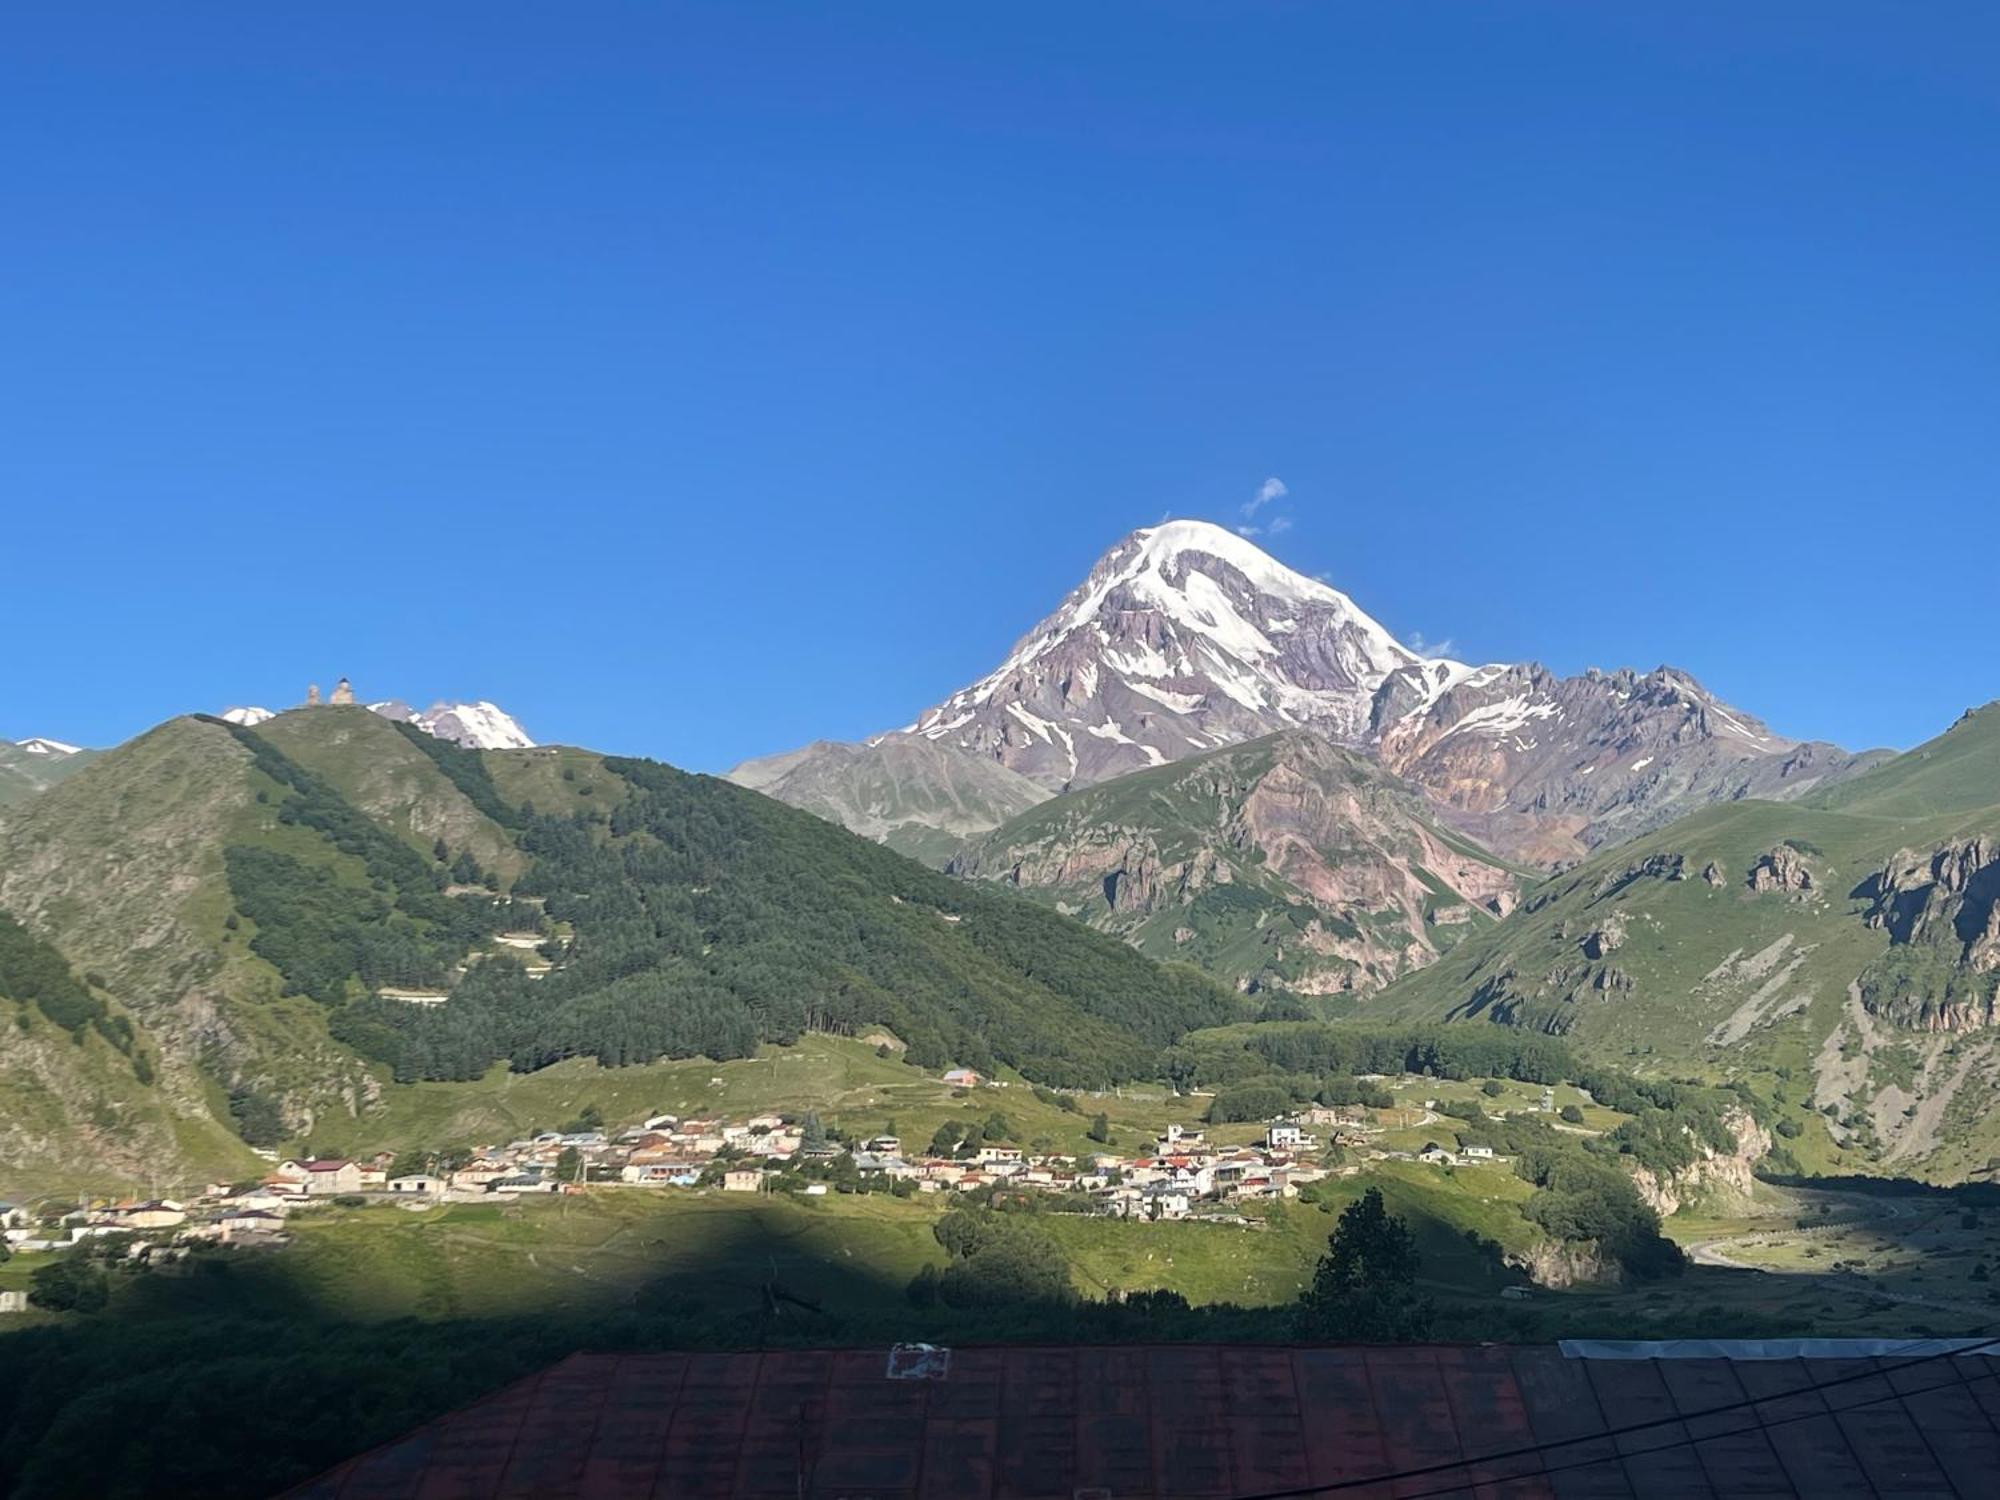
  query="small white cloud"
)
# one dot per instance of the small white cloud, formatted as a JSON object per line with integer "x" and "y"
{"x": 1249, "y": 531}
{"x": 1422, "y": 647}
{"x": 1271, "y": 489}
{"x": 1279, "y": 524}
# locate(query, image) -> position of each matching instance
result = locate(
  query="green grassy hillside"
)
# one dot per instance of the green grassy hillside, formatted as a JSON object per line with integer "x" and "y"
{"x": 1833, "y": 952}
{"x": 255, "y": 904}
{"x": 23, "y": 774}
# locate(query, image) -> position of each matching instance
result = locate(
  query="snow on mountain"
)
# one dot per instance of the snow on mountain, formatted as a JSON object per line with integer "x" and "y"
{"x": 1184, "y": 636}
{"x": 477, "y": 726}
{"x": 53, "y": 749}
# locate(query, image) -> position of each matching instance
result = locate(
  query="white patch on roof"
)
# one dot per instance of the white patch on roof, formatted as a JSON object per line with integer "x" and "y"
{"x": 1642, "y": 762}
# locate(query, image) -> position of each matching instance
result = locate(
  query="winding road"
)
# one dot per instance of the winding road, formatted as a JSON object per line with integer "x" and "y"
{"x": 1860, "y": 1210}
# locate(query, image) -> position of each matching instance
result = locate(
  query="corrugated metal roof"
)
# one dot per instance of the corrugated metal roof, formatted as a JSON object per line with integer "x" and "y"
{"x": 1201, "y": 1420}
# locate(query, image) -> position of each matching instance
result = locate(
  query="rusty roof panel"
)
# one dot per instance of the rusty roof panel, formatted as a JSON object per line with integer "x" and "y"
{"x": 1149, "y": 1423}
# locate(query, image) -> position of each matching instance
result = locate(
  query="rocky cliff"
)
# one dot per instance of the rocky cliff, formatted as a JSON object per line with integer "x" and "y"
{"x": 1289, "y": 861}
{"x": 1720, "y": 1181}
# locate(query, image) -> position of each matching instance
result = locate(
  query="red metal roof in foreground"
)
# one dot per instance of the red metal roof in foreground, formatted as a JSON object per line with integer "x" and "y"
{"x": 1199, "y": 1420}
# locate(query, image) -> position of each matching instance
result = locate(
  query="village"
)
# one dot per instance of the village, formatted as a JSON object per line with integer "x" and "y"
{"x": 1181, "y": 1174}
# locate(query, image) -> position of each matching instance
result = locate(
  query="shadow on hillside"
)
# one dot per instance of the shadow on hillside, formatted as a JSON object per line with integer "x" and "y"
{"x": 177, "y": 1391}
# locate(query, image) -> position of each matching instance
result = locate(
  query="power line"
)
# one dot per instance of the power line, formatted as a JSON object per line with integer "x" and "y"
{"x": 1304, "y": 1492}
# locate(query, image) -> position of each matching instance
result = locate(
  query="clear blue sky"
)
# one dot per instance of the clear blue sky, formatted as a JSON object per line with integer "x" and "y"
{"x": 698, "y": 379}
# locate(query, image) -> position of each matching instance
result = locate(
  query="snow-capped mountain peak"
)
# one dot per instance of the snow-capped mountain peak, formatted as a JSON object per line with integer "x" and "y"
{"x": 52, "y": 749}
{"x": 477, "y": 726}
{"x": 1184, "y": 636}
{"x": 249, "y": 717}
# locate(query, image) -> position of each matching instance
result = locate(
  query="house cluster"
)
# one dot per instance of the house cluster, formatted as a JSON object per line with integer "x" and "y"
{"x": 1182, "y": 1170}
{"x": 218, "y": 1215}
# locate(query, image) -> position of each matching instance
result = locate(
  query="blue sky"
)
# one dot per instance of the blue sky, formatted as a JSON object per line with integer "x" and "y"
{"x": 698, "y": 379}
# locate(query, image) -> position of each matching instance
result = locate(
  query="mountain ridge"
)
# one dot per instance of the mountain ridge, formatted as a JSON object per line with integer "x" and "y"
{"x": 1186, "y": 637}
{"x": 262, "y": 904}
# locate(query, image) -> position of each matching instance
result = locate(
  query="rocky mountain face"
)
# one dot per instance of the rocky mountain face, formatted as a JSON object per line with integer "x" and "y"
{"x": 1287, "y": 862}
{"x": 918, "y": 797}
{"x": 1839, "y": 953}
{"x": 1546, "y": 768}
{"x": 1940, "y": 909}
{"x": 1185, "y": 638}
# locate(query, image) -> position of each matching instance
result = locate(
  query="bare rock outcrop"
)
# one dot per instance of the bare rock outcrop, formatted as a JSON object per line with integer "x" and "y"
{"x": 1783, "y": 869}
{"x": 1606, "y": 938}
{"x": 1721, "y": 1179}
{"x": 1941, "y": 911}
{"x": 1565, "y": 1263}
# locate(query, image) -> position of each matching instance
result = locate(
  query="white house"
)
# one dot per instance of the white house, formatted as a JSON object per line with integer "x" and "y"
{"x": 421, "y": 1184}
{"x": 1281, "y": 1135}
{"x": 324, "y": 1178}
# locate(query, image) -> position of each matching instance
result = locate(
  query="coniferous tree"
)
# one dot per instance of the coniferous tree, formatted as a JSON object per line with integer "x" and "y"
{"x": 1365, "y": 1287}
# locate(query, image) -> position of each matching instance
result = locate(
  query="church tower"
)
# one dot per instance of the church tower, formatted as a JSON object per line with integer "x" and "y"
{"x": 312, "y": 695}
{"x": 342, "y": 692}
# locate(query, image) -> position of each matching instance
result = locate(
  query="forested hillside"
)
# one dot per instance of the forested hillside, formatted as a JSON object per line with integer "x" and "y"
{"x": 703, "y": 918}
{"x": 271, "y": 916}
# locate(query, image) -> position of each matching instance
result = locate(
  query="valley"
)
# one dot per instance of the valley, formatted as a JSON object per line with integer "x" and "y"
{"x": 1050, "y": 1016}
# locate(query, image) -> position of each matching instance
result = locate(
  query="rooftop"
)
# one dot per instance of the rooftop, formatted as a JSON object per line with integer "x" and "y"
{"x": 1217, "y": 1421}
